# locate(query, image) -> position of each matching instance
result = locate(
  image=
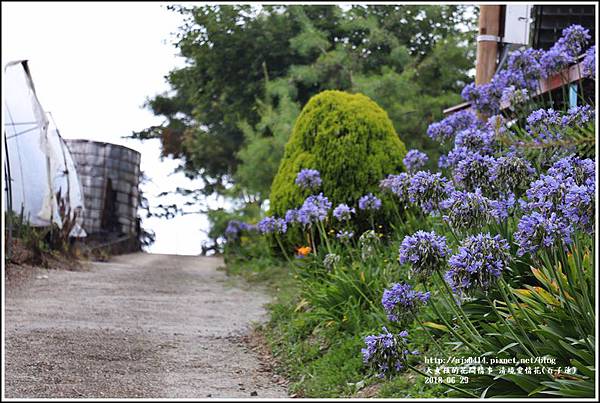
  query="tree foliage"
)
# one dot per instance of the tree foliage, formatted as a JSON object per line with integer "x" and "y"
{"x": 250, "y": 69}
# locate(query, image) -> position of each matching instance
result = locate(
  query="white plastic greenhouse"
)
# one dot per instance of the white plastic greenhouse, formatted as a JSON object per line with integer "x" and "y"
{"x": 40, "y": 177}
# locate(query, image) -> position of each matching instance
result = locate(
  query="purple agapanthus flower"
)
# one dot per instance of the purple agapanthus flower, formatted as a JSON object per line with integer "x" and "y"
{"x": 315, "y": 208}
{"x": 235, "y": 228}
{"x": 538, "y": 230}
{"x": 272, "y": 225}
{"x": 473, "y": 172}
{"x": 369, "y": 202}
{"x": 387, "y": 353}
{"x": 484, "y": 98}
{"x": 344, "y": 236}
{"x": 467, "y": 210}
{"x": 573, "y": 40}
{"x": 482, "y": 141}
{"x": 578, "y": 116}
{"x": 415, "y": 160}
{"x": 511, "y": 174}
{"x": 292, "y": 216}
{"x": 428, "y": 189}
{"x": 589, "y": 62}
{"x": 446, "y": 129}
{"x": 343, "y": 213}
{"x": 527, "y": 62}
{"x": 503, "y": 206}
{"x": 397, "y": 184}
{"x": 480, "y": 261}
{"x": 401, "y": 301}
{"x": 579, "y": 206}
{"x": 308, "y": 179}
{"x": 425, "y": 252}
{"x": 565, "y": 50}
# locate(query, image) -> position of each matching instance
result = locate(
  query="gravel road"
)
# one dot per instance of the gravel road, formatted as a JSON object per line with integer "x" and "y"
{"x": 142, "y": 325}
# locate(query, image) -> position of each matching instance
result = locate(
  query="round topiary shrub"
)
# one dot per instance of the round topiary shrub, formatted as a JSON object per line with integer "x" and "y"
{"x": 349, "y": 139}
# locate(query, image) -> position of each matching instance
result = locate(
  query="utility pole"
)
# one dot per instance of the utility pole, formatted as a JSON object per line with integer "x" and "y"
{"x": 487, "y": 43}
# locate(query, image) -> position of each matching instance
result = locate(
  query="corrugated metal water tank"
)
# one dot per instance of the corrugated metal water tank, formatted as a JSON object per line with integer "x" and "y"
{"x": 109, "y": 175}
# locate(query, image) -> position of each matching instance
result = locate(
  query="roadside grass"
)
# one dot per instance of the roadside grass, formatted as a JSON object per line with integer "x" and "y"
{"x": 320, "y": 358}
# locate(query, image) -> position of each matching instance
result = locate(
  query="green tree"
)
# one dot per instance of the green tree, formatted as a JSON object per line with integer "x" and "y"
{"x": 349, "y": 139}
{"x": 219, "y": 118}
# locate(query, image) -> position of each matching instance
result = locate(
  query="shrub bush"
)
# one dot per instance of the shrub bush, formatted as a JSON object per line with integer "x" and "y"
{"x": 350, "y": 140}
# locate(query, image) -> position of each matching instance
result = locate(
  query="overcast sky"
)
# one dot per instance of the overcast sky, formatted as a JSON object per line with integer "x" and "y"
{"x": 93, "y": 65}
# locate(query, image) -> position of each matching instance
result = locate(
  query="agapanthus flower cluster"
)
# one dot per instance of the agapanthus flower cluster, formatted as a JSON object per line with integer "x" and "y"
{"x": 415, "y": 160}
{"x": 272, "y": 225}
{"x": 343, "y": 213}
{"x": 483, "y": 98}
{"x": 480, "y": 261}
{"x": 308, "y": 179}
{"x": 446, "y": 129}
{"x": 580, "y": 206}
{"x": 387, "y": 353}
{"x": 559, "y": 202}
{"x": 344, "y": 235}
{"x": 314, "y": 209}
{"x": 548, "y": 192}
{"x": 578, "y": 169}
{"x": 537, "y": 230}
{"x": 456, "y": 155}
{"x": 527, "y": 64}
{"x": 503, "y": 206}
{"x": 511, "y": 174}
{"x": 235, "y": 227}
{"x": 514, "y": 96}
{"x": 523, "y": 70}
{"x": 368, "y": 243}
{"x": 589, "y": 62}
{"x": 425, "y": 252}
{"x": 467, "y": 210}
{"x": 571, "y": 44}
{"x": 544, "y": 125}
{"x": 397, "y": 184}
{"x": 369, "y": 202}
{"x": 578, "y": 116}
{"x": 573, "y": 40}
{"x": 480, "y": 140}
{"x": 473, "y": 172}
{"x": 292, "y": 216}
{"x": 330, "y": 260}
{"x": 401, "y": 301}
{"x": 428, "y": 189}
{"x": 547, "y": 125}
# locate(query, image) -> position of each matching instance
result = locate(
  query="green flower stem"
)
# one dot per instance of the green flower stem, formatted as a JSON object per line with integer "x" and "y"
{"x": 509, "y": 304}
{"x": 516, "y": 302}
{"x": 508, "y": 327}
{"x": 376, "y": 309}
{"x": 427, "y": 331}
{"x": 312, "y": 240}
{"x": 321, "y": 229}
{"x": 451, "y": 329}
{"x": 443, "y": 383}
{"x": 460, "y": 313}
{"x": 287, "y": 257}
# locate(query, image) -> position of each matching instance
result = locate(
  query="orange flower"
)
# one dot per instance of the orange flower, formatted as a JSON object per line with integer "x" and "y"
{"x": 303, "y": 250}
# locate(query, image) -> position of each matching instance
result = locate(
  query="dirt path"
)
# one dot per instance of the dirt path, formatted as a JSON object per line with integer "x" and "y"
{"x": 140, "y": 326}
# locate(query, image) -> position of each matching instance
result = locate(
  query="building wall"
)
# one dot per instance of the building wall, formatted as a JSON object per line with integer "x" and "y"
{"x": 99, "y": 164}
